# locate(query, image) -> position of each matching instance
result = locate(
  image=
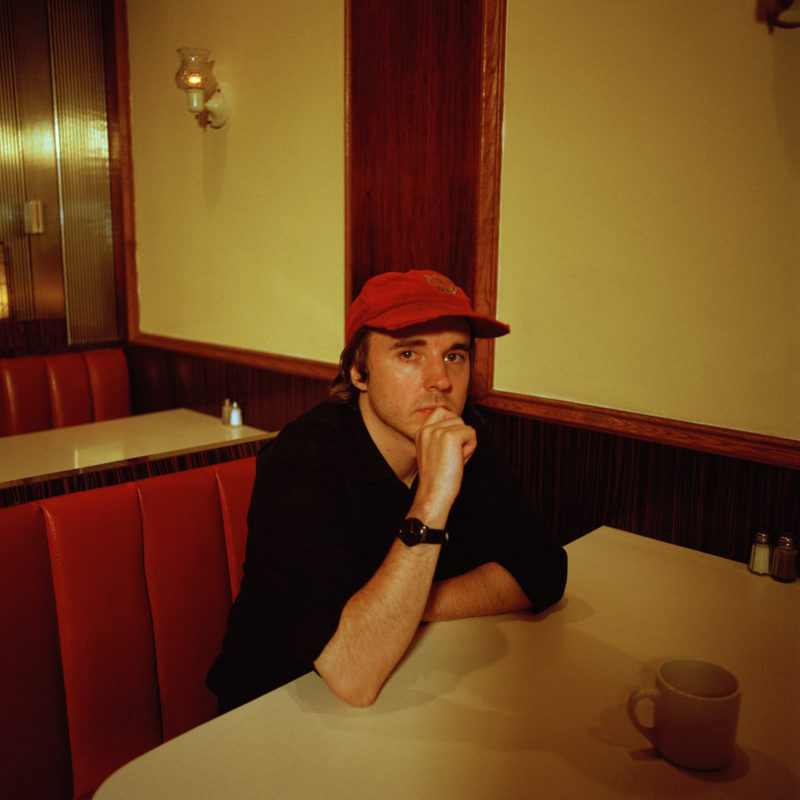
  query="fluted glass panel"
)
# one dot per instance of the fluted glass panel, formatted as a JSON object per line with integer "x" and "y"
{"x": 82, "y": 146}
{"x": 15, "y": 264}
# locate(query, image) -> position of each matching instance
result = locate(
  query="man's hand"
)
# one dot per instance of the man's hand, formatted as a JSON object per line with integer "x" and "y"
{"x": 444, "y": 445}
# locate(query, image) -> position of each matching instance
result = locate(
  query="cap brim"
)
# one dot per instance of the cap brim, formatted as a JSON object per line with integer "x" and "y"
{"x": 483, "y": 327}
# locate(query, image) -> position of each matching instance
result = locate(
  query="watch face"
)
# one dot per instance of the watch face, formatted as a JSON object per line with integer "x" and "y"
{"x": 413, "y": 531}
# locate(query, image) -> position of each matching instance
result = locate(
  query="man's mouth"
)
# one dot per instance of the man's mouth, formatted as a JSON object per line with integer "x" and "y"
{"x": 428, "y": 410}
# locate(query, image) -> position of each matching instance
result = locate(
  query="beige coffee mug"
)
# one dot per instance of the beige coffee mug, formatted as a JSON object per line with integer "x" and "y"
{"x": 696, "y": 710}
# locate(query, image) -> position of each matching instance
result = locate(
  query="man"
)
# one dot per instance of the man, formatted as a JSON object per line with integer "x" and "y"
{"x": 385, "y": 506}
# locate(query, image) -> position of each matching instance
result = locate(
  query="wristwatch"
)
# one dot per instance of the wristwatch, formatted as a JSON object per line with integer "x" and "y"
{"x": 413, "y": 531}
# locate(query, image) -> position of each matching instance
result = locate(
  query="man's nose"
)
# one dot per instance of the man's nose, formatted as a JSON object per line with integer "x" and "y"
{"x": 437, "y": 376}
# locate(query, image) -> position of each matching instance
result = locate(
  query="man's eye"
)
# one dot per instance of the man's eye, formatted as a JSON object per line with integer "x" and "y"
{"x": 407, "y": 354}
{"x": 455, "y": 357}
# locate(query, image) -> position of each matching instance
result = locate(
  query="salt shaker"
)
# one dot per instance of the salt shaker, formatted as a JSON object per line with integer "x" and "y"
{"x": 759, "y": 555}
{"x": 236, "y": 414}
{"x": 226, "y": 412}
{"x": 784, "y": 560}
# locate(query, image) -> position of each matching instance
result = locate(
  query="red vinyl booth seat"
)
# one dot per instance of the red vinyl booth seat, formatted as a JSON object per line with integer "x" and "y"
{"x": 24, "y": 395}
{"x": 113, "y": 605}
{"x": 109, "y": 382}
{"x": 34, "y": 744}
{"x": 40, "y": 392}
{"x": 70, "y": 392}
{"x": 186, "y": 567}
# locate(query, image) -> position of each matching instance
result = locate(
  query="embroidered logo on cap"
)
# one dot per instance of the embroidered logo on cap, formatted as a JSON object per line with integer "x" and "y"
{"x": 441, "y": 284}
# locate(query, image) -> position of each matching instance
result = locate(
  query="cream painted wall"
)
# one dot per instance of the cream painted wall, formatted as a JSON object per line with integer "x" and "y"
{"x": 650, "y": 212}
{"x": 240, "y": 231}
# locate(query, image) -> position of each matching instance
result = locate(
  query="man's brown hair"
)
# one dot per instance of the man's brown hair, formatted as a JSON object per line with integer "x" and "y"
{"x": 354, "y": 355}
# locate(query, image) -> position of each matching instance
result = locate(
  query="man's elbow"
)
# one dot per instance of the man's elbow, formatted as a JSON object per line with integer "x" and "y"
{"x": 355, "y": 690}
{"x": 355, "y": 693}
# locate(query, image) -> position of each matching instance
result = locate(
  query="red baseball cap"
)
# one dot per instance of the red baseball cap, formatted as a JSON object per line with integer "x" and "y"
{"x": 395, "y": 300}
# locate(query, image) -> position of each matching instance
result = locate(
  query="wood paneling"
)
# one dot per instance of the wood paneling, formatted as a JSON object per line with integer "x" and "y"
{"x": 583, "y": 479}
{"x": 120, "y": 163}
{"x": 703, "y": 438}
{"x": 32, "y": 337}
{"x": 487, "y": 222}
{"x": 413, "y": 136}
{"x": 162, "y": 378}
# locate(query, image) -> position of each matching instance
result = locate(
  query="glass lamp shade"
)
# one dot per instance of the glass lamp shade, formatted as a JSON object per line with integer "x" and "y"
{"x": 196, "y": 72}
{"x": 204, "y": 96}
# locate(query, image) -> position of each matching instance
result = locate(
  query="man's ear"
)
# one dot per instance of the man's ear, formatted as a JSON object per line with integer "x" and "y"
{"x": 357, "y": 379}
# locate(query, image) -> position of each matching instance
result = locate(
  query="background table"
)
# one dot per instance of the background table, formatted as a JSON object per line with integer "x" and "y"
{"x": 39, "y": 464}
{"x": 519, "y": 706}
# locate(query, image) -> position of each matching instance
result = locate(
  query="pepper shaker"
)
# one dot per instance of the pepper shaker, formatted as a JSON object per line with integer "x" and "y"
{"x": 784, "y": 560}
{"x": 226, "y": 412}
{"x": 759, "y": 555}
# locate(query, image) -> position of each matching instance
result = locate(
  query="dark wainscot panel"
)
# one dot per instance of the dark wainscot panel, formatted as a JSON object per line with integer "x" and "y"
{"x": 583, "y": 479}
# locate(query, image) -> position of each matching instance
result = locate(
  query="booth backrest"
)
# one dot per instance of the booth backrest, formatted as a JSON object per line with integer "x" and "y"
{"x": 113, "y": 605}
{"x": 52, "y": 391}
{"x": 24, "y": 395}
{"x": 33, "y": 715}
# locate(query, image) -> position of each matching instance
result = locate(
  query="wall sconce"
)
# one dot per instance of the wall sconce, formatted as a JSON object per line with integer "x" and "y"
{"x": 770, "y": 11}
{"x": 204, "y": 95}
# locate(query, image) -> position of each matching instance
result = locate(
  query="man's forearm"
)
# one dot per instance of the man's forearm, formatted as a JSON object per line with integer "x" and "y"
{"x": 487, "y": 589}
{"x": 378, "y": 623}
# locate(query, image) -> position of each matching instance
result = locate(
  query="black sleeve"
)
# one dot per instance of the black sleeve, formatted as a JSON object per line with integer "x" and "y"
{"x": 500, "y": 522}
{"x": 310, "y": 543}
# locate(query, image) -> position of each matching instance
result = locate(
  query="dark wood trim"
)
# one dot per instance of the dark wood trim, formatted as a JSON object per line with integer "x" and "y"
{"x": 413, "y": 137}
{"x": 703, "y": 438}
{"x": 484, "y": 290}
{"x": 115, "y": 44}
{"x": 121, "y": 164}
{"x": 581, "y": 479}
{"x": 236, "y": 355}
{"x": 349, "y": 267}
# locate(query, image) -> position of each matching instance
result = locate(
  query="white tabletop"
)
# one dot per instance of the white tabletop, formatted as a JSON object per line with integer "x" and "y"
{"x": 78, "y": 448}
{"x": 519, "y": 706}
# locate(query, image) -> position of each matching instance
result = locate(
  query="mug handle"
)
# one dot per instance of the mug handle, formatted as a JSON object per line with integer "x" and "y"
{"x": 633, "y": 701}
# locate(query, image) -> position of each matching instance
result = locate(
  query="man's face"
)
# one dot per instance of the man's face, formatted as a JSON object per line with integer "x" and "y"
{"x": 410, "y": 373}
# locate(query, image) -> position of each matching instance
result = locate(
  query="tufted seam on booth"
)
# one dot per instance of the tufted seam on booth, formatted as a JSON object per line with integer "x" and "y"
{"x": 70, "y": 391}
{"x": 105, "y": 630}
{"x": 186, "y": 568}
{"x": 235, "y": 482}
{"x": 110, "y": 383}
{"x": 25, "y": 397}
